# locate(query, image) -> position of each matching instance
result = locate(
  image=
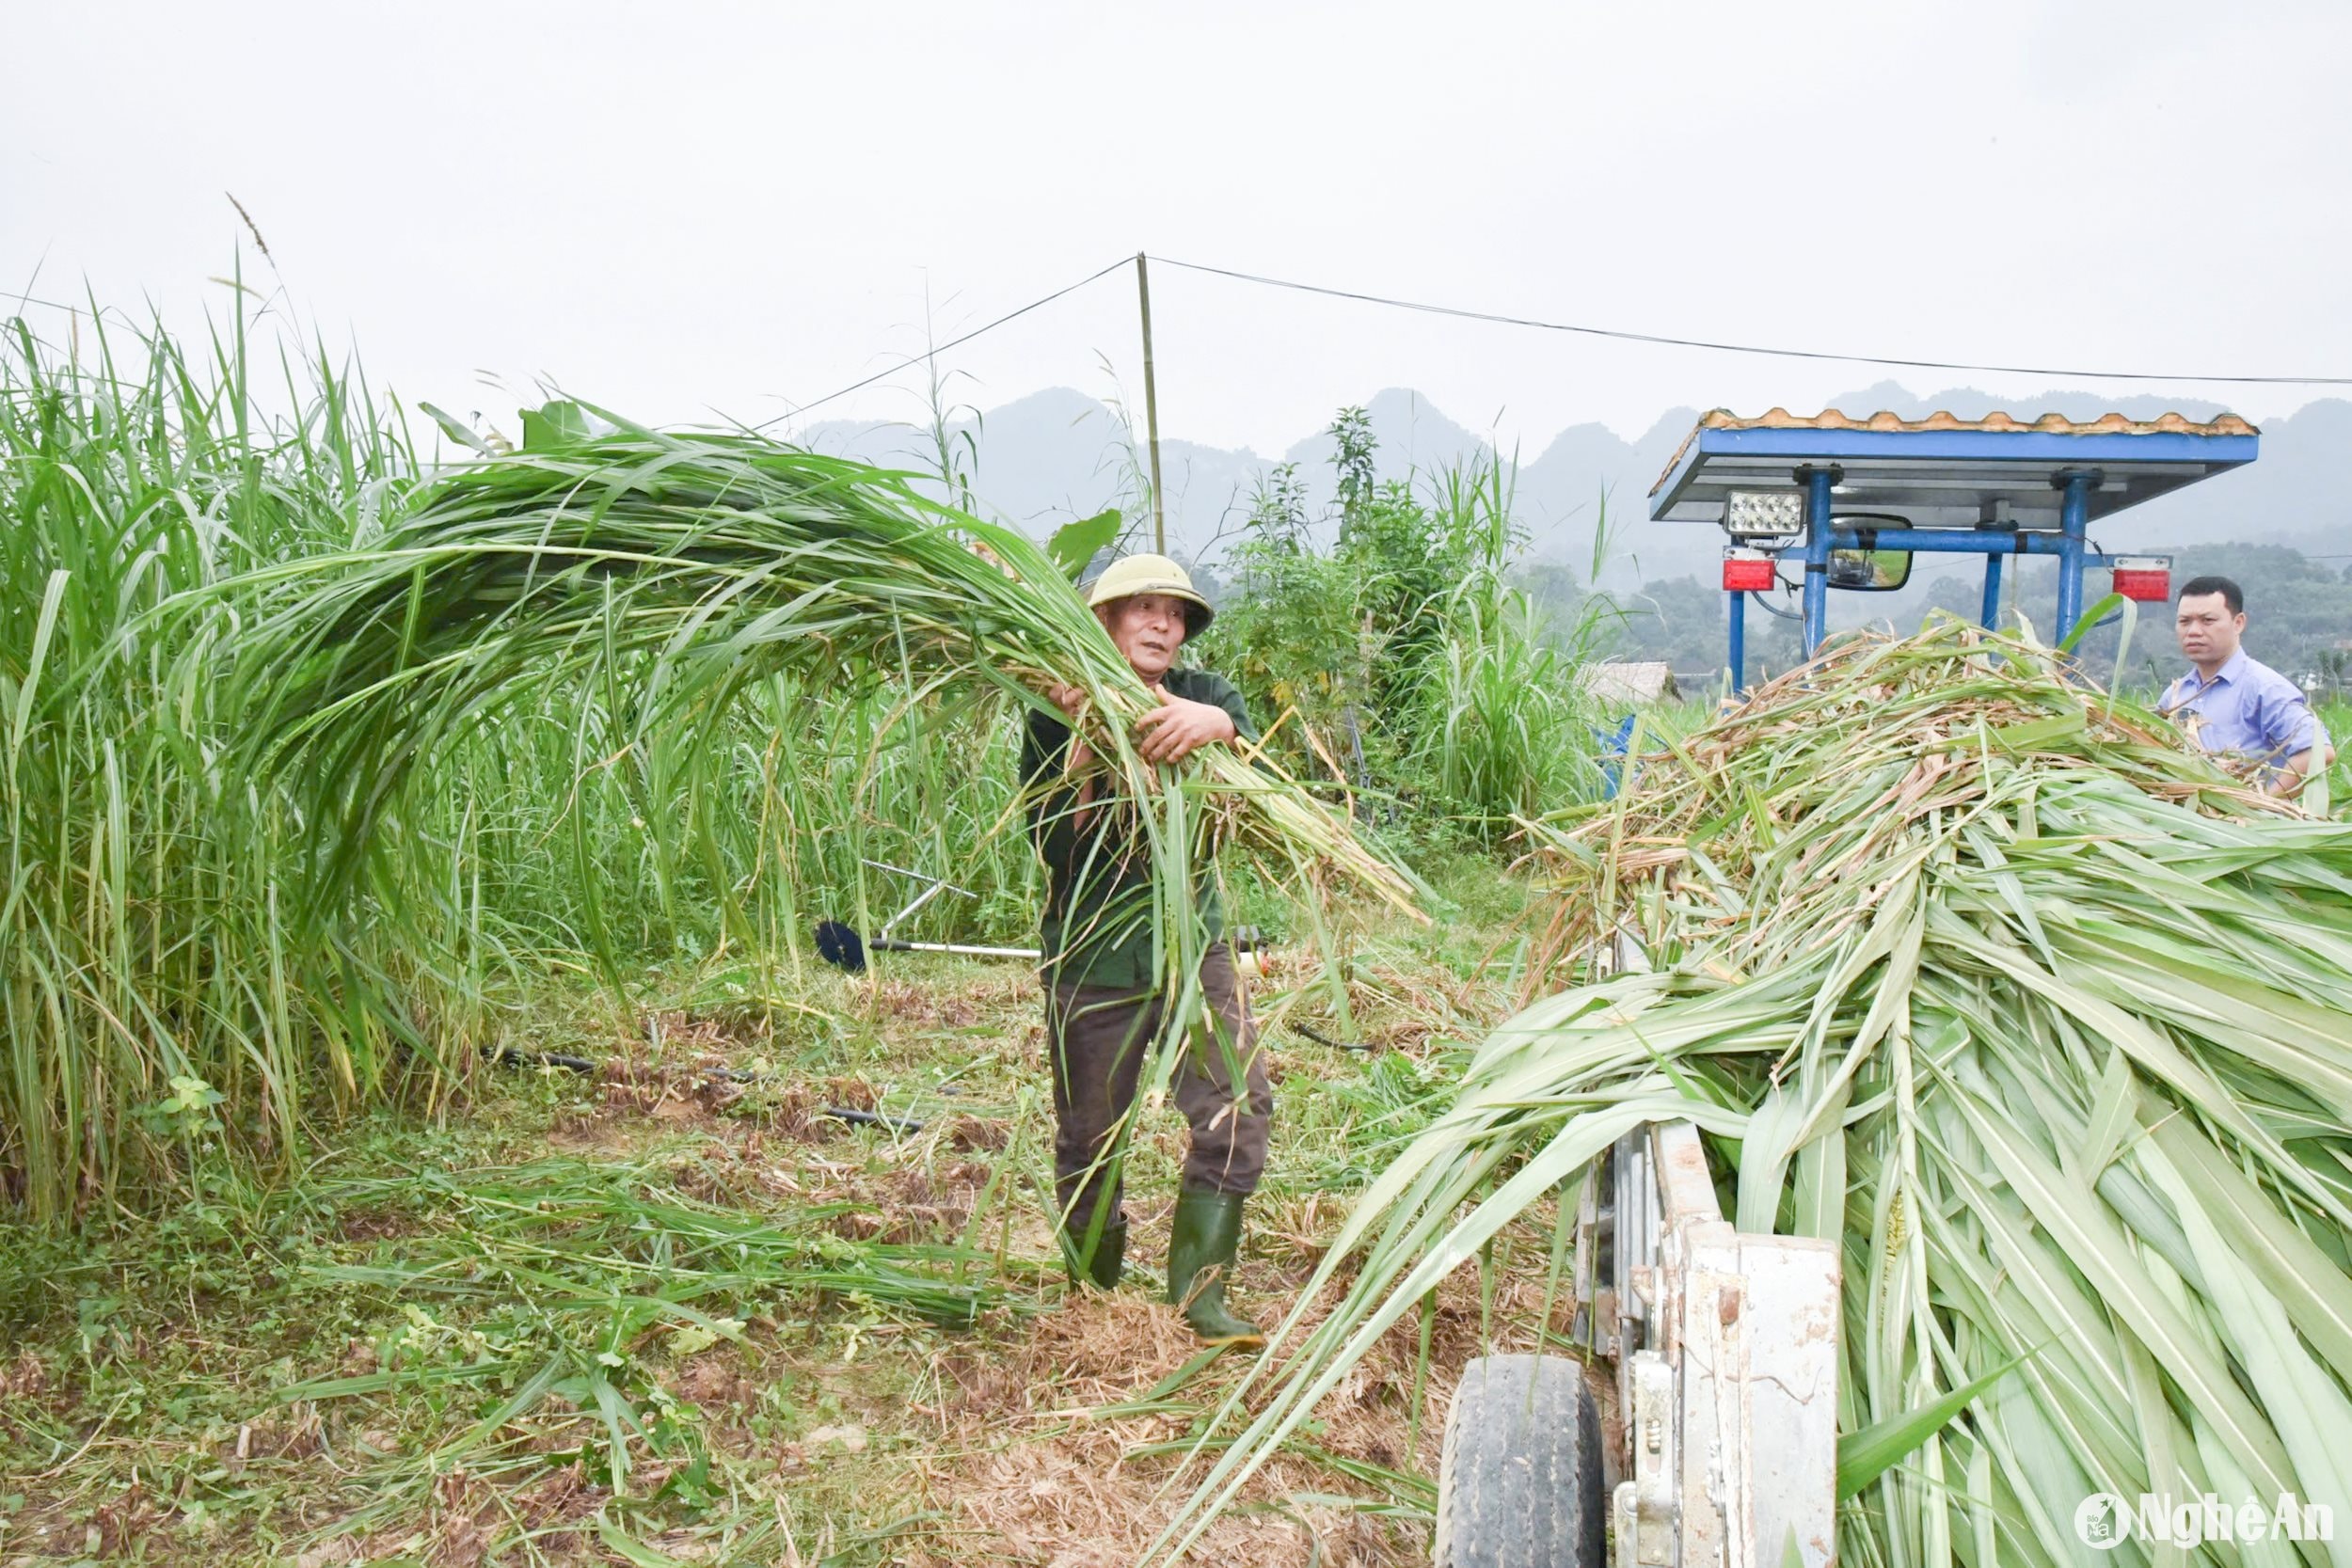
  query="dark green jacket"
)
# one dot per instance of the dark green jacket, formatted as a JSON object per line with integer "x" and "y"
{"x": 1097, "y": 929}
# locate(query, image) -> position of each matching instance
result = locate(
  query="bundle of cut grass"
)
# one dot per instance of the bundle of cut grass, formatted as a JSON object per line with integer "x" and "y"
{"x": 669, "y": 574}
{"x": 561, "y": 1283}
{"x": 2045, "y": 1020}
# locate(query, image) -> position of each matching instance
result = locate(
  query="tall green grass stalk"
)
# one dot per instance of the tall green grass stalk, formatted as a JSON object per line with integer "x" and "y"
{"x": 157, "y": 989}
{"x": 1508, "y": 731}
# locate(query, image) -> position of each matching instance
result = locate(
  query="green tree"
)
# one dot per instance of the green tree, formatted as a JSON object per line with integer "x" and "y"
{"x": 1406, "y": 655}
{"x": 1287, "y": 632}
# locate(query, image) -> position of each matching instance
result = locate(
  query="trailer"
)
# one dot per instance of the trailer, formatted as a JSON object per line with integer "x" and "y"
{"x": 1722, "y": 1446}
{"x": 1717, "y": 1351}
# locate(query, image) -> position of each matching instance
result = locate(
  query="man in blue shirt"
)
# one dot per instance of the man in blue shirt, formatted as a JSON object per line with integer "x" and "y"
{"x": 2232, "y": 702}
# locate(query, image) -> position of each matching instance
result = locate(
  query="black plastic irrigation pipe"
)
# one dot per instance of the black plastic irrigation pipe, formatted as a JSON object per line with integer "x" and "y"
{"x": 872, "y": 1119}
{"x": 507, "y": 1055}
{"x": 1326, "y": 1039}
{"x": 585, "y": 1067}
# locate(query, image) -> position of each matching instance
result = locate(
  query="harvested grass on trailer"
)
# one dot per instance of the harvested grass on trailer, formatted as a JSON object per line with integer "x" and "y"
{"x": 1982, "y": 975}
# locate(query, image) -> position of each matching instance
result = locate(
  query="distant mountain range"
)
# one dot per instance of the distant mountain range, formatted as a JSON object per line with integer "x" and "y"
{"x": 1059, "y": 454}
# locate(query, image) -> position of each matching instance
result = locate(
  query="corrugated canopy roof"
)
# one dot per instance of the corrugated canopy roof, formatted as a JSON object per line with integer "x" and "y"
{"x": 2105, "y": 424}
{"x": 1943, "y": 471}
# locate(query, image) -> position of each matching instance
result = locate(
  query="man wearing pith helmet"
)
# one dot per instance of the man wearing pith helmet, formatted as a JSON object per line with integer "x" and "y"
{"x": 1103, "y": 1007}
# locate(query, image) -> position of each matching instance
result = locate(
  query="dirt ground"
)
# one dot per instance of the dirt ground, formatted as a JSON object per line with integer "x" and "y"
{"x": 147, "y": 1411}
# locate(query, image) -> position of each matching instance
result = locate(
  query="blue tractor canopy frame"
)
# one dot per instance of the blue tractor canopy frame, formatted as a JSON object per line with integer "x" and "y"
{"x": 1997, "y": 488}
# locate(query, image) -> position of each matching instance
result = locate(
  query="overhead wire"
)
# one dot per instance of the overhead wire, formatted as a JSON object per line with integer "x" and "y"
{"x": 938, "y": 349}
{"x": 882, "y": 375}
{"x": 1502, "y": 319}
{"x": 1467, "y": 314}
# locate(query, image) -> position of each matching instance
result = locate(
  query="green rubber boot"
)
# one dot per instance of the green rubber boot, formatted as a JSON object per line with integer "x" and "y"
{"x": 1201, "y": 1251}
{"x": 1110, "y": 1255}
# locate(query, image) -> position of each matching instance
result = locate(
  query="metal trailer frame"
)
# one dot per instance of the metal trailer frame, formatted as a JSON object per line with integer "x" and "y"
{"x": 1726, "y": 1349}
{"x": 1997, "y": 488}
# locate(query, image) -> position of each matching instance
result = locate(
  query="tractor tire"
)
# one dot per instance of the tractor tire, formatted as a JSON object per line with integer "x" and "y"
{"x": 1520, "y": 1477}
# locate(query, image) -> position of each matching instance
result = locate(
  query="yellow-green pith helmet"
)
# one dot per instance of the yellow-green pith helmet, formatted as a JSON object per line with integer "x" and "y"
{"x": 1132, "y": 575}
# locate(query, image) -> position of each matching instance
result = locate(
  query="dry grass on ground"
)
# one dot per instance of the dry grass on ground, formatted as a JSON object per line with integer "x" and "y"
{"x": 144, "y": 1414}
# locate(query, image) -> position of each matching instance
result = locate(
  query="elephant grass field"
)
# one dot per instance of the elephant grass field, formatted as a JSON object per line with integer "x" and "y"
{"x": 339, "y": 779}
{"x": 429, "y": 1134}
{"x": 309, "y": 750}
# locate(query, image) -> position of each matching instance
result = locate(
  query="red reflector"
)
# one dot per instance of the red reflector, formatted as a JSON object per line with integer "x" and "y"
{"x": 1748, "y": 576}
{"x": 2147, "y": 585}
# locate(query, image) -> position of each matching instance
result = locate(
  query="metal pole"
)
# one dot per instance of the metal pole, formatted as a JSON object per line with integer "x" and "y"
{"x": 2074, "y": 522}
{"x": 1950, "y": 541}
{"x": 1739, "y": 643}
{"x": 1818, "y": 483}
{"x": 1991, "y": 616}
{"x": 1151, "y": 407}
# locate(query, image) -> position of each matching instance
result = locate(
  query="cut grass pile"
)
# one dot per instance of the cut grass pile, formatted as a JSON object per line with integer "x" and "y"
{"x": 2042, "y": 1017}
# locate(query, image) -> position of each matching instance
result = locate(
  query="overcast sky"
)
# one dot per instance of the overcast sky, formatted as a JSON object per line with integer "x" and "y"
{"x": 682, "y": 208}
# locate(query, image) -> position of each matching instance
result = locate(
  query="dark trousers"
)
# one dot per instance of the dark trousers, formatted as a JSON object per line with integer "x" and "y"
{"x": 1097, "y": 1038}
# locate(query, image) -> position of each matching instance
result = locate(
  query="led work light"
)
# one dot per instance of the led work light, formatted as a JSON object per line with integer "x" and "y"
{"x": 1764, "y": 516}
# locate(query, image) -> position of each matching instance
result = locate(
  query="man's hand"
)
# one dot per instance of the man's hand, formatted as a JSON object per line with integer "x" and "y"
{"x": 2289, "y": 781}
{"x": 1070, "y": 699}
{"x": 1169, "y": 731}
